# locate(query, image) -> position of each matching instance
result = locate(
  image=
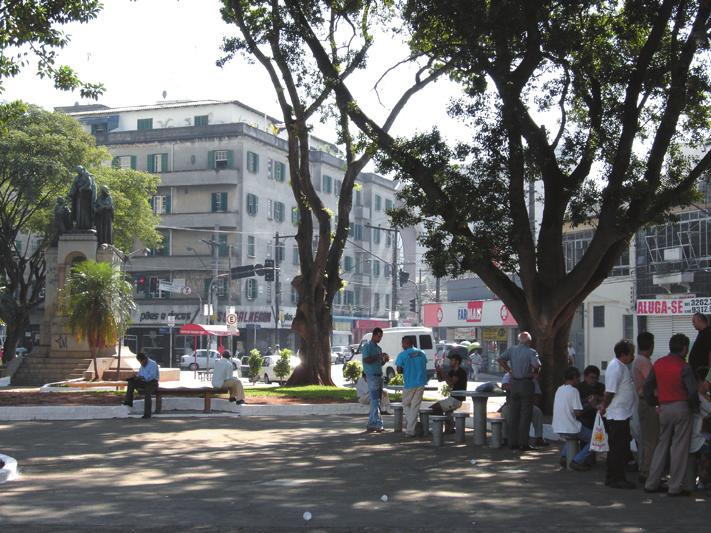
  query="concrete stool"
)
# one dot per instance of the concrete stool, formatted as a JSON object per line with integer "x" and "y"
{"x": 497, "y": 426}
{"x": 437, "y": 430}
{"x": 425, "y": 420}
{"x": 571, "y": 450}
{"x": 460, "y": 420}
{"x": 397, "y": 413}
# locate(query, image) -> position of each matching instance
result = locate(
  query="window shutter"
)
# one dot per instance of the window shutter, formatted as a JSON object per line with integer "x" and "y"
{"x": 151, "y": 163}
{"x": 230, "y": 159}
{"x": 214, "y": 201}
{"x": 211, "y": 159}
{"x": 164, "y": 162}
{"x": 133, "y": 162}
{"x": 223, "y": 201}
{"x": 152, "y": 203}
{"x": 166, "y": 203}
{"x": 116, "y": 162}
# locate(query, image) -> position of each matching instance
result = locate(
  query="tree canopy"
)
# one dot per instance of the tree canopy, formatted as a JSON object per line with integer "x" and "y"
{"x": 602, "y": 105}
{"x": 32, "y": 29}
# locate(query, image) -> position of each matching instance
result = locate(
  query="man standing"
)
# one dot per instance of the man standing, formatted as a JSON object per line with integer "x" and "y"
{"x": 373, "y": 361}
{"x": 145, "y": 382}
{"x": 223, "y": 377}
{"x": 522, "y": 362}
{"x": 457, "y": 380}
{"x": 700, "y": 354}
{"x": 567, "y": 410}
{"x": 648, "y": 418}
{"x": 618, "y": 406}
{"x": 412, "y": 363}
{"x": 676, "y": 395}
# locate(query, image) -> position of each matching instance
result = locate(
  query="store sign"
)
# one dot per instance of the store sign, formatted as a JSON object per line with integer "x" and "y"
{"x": 673, "y": 307}
{"x": 475, "y": 312}
{"x": 494, "y": 334}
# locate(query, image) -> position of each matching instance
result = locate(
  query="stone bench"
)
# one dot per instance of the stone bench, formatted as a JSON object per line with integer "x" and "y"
{"x": 425, "y": 421}
{"x": 397, "y": 415}
{"x": 460, "y": 420}
{"x": 497, "y": 426}
{"x": 207, "y": 393}
{"x": 437, "y": 429}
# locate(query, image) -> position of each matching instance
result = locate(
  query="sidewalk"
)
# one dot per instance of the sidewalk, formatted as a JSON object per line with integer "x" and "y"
{"x": 259, "y": 474}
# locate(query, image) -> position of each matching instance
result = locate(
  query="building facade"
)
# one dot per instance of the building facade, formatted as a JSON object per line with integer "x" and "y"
{"x": 225, "y": 200}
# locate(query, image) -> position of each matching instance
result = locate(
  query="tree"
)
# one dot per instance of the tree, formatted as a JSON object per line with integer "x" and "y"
{"x": 604, "y": 104}
{"x": 255, "y": 361}
{"x": 282, "y": 368}
{"x": 97, "y": 301}
{"x": 30, "y": 28}
{"x": 39, "y": 152}
{"x": 269, "y": 34}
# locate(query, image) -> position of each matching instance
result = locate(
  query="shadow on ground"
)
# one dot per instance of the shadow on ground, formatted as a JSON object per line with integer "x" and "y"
{"x": 252, "y": 474}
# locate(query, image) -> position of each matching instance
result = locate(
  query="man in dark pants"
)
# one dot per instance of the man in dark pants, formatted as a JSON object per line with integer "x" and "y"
{"x": 618, "y": 407}
{"x": 145, "y": 382}
{"x": 522, "y": 362}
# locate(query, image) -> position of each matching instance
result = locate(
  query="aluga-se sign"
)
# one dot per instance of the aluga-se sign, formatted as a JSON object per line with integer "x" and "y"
{"x": 672, "y": 307}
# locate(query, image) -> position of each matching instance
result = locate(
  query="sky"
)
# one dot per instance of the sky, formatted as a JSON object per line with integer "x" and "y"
{"x": 140, "y": 49}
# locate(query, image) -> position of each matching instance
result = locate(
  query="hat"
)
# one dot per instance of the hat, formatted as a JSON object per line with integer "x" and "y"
{"x": 455, "y": 355}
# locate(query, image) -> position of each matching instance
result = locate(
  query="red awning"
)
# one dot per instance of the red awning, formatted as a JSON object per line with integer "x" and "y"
{"x": 204, "y": 329}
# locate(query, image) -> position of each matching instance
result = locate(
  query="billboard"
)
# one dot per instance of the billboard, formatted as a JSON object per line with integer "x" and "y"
{"x": 471, "y": 313}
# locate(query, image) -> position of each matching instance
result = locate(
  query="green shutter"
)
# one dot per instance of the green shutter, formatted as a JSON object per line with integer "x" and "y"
{"x": 115, "y": 162}
{"x": 133, "y": 162}
{"x": 167, "y": 204}
{"x": 230, "y": 159}
{"x": 211, "y": 159}
{"x": 151, "y": 163}
{"x": 223, "y": 201}
{"x": 214, "y": 201}
{"x": 164, "y": 162}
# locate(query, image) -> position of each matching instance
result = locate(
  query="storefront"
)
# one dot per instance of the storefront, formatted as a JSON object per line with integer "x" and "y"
{"x": 667, "y": 316}
{"x": 486, "y": 321}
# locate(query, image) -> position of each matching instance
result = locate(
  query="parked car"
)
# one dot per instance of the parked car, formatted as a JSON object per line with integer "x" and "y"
{"x": 340, "y": 354}
{"x": 267, "y": 374}
{"x": 203, "y": 361}
{"x": 391, "y": 344}
{"x": 443, "y": 350}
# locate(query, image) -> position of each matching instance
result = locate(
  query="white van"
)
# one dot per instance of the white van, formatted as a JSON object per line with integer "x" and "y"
{"x": 391, "y": 344}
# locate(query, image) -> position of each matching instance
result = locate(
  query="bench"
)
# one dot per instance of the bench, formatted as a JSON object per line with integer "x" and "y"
{"x": 200, "y": 392}
{"x": 425, "y": 420}
{"x": 460, "y": 420}
{"x": 398, "y": 412}
{"x": 437, "y": 429}
{"x": 497, "y": 425}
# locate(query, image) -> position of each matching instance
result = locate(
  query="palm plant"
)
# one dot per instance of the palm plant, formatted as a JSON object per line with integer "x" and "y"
{"x": 97, "y": 301}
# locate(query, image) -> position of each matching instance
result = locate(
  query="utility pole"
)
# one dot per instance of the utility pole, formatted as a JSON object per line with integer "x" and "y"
{"x": 216, "y": 271}
{"x": 277, "y": 292}
{"x": 419, "y": 300}
{"x": 395, "y": 275}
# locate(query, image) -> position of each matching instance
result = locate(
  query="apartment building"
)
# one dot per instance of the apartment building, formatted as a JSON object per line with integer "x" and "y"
{"x": 224, "y": 199}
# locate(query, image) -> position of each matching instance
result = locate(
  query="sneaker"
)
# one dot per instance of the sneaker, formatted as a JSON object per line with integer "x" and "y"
{"x": 240, "y": 402}
{"x": 233, "y": 400}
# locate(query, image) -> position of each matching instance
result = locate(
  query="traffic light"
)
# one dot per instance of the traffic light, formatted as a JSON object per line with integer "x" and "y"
{"x": 404, "y": 277}
{"x": 244, "y": 271}
{"x": 154, "y": 285}
{"x": 269, "y": 270}
{"x": 141, "y": 284}
{"x": 413, "y": 305}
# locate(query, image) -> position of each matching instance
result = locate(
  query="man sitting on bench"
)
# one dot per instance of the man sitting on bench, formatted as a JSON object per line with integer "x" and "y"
{"x": 457, "y": 380}
{"x": 222, "y": 378}
{"x": 145, "y": 382}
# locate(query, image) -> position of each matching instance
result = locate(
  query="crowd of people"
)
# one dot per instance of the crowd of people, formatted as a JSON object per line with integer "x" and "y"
{"x": 661, "y": 409}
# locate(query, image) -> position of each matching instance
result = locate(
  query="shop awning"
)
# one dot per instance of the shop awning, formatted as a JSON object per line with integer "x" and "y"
{"x": 205, "y": 329}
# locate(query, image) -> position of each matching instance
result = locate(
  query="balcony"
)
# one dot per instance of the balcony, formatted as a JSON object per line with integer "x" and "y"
{"x": 226, "y": 219}
{"x": 667, "y": 280}
{"x": 207, "y": 176}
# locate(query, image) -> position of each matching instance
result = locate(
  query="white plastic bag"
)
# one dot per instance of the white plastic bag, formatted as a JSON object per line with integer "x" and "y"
{"x": 598, "y": 442}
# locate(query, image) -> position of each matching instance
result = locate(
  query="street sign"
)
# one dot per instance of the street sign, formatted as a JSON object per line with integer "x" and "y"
{"x": 170, "y": 320}
{"x": 244, "y": 271}
{"x": 252, "y": 326}
{"x": 177, "y": 286}
{"x": 186, "y": 290}
{"x": 231, "y": 319}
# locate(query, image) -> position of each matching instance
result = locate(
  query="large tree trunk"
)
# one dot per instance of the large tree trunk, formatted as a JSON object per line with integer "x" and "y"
{"x": 13, "y": 334}
{"x": 552, "y": 347}
{"x": 313, "y": 324}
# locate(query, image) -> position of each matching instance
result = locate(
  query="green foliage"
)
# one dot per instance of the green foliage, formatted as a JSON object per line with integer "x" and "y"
{"x": 255, "y": 362}
{"x": 282, "y": 368}
{"x": 397, "y": 379}
{"x": 445, "y": 389}
{"x": 352, "y": 370}
{"x": 97, "y": 302}
{"x": 35, "y": 26}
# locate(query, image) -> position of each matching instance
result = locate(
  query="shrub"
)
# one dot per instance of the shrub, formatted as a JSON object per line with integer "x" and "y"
{"x": 352, "y": 370}
{"x": 397, "y": 379}
{"x": 255, "y": 362}
{"x": 283, "y": 366}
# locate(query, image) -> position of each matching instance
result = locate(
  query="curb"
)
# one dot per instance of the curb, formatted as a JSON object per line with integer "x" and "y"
{"x": 9, "y": 471}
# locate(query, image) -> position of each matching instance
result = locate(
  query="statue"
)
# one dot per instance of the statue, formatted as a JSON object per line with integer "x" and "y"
{"x": 62, "y": 219}
{"x": 104, "y": 216}
{"x": 83, "y": 196}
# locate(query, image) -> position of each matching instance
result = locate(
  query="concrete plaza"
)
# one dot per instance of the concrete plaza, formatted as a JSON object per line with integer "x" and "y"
{"x": 221, "y": 473}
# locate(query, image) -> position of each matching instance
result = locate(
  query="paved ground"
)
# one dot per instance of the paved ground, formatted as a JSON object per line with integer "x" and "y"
{"x": 257, "y": 474}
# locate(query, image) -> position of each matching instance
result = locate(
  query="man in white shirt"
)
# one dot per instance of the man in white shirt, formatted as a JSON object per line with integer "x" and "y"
{"x": 618, "y": 406}
{"x": 222, "y": 378}
{"x": 566, "y": 411}
{"x": 363, "y": 393}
